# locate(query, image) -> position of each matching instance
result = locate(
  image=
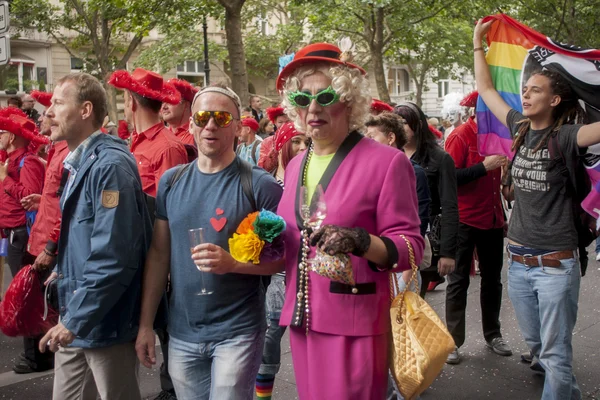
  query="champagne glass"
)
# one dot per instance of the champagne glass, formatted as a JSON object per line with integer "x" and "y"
{"x": 313, "y": 213}
{"x": 197, "y": 237}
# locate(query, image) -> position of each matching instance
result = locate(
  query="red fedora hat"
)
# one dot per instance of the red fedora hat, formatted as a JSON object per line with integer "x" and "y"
{"x": 470, "y": 100}
{"x": 185, "y": 88}
{"x": 15, "y": 121}
{"x": 146, "y": 84}
{"x": 44, "y": 98}
{"x": 313, "y": 53}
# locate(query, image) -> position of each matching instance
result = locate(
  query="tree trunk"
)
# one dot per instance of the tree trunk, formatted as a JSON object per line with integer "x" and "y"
{"x": 235, "y": 49}
{"x": 111, "y": 94}
{"x": 419, "y": 94}
{"x": 380, "y": 80}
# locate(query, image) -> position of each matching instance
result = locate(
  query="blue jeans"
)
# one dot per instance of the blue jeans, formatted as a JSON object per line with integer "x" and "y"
{"x": 598, "y": 245}
{"x": 545, "y": 301}
{"x": 271, "y": 357}
{"x": 216, "y": 370}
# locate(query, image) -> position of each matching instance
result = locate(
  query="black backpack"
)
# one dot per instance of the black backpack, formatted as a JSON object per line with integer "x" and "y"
{"x": 579, "y": 187}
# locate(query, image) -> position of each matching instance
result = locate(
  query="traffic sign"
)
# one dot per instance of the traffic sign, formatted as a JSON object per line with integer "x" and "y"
{"x": 4, "y": 49}
{"x": 4, "y": 17}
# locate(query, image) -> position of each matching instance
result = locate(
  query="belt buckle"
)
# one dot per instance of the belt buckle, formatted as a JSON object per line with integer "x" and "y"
{"x": 525, "y": 257}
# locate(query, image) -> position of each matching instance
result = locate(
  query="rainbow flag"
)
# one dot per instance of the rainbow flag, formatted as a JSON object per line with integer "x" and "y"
{"x": 515, "y": 51}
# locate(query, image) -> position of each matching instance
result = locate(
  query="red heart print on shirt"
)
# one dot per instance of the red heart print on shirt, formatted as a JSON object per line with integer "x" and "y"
{"x": 220, "y": 211}
{"x": 218, "y": 224}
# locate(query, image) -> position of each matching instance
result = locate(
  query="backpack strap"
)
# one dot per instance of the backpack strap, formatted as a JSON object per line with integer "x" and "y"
{"x": 246, "y": 179}
{"x": 178, "y": 174}
{"x": 253, "y": 155}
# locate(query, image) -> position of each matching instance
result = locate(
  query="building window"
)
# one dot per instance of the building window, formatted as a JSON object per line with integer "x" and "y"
{"x": 398, "y": 81}
{"x": 18, "y": 75}
{"x": 192, "y": 71}
{"x": 76, "y": 64}
{"x": 443, "y": 84}
{"x": 42, "y": 78}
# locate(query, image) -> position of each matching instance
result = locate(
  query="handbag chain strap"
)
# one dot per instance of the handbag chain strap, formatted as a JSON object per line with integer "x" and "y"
{"x": 413, "y": 280}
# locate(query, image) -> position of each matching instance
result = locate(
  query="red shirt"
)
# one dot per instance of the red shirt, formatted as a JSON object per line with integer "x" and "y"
{"x": 479, "y": 203}
{"x": 19, "y": 183}
{"x": 183, "y": 134}
{"x": 46, "y": 227}
{"x": 156, "y": 150}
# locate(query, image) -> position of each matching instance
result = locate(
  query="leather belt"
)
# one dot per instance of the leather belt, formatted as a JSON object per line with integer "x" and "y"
{"x": 548, "y": 260}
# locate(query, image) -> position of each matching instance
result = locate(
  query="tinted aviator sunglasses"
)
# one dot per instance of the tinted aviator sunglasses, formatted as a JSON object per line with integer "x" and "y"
{"x": 222, "y": 118}
{"x": 324, "y": 98}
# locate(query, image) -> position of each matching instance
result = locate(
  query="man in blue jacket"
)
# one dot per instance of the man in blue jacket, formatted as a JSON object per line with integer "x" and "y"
{"x": 104, "y": 237}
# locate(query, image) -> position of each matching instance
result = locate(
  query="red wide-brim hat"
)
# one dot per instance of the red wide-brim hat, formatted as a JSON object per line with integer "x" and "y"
{"x": 44, "y": 98}
{"x": 147, "y": 84}
{"x": 313, "y": 53}
{"x": 185, "y": 88}
{"x": 16, "y": 121}
{"x": 470, "y": 100}
{"x": 274, "y": 112}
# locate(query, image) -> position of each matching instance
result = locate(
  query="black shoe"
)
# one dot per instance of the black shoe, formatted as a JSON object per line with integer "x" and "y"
{"x": 527, "y": 357}
{"x": 166, "y": 395}
{"x": 537, "y": 367}
{"x": 27, "y": 367}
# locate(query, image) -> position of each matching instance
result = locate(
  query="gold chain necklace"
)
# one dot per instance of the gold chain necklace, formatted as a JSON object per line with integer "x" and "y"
{"x": 303, "y": 268}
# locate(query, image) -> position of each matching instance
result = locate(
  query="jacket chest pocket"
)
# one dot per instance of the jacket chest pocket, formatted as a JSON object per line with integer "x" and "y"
{"x": 84, "y": 211}
{"x": 473, "y": 157}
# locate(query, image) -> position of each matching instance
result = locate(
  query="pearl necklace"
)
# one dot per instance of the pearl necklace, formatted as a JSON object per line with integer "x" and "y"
{"x": 303, "y": 268}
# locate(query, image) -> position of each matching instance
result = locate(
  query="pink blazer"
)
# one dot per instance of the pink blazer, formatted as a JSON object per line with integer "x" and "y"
{"x": 366, "y": 185}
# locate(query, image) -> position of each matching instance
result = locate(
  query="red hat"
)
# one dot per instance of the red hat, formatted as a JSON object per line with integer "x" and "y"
{"x": 147, "y": 84}
{"x": 44, "y": 98}
{"x": 15, "y": 121}
{"x": 185, "y": 88}
{"x": 314, "y": 53}
{"x": 470, "y": 100}
{"x": 379, "y": 106}
{"x": 250, "y": 123}
{"x": 274, "y": 112}
{"x": 435, "y": 131}
{"x": 284, "y": 133}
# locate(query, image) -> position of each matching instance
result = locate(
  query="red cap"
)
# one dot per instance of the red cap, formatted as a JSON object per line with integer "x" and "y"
{"x": 274, "y": 112}
{"x": 311, "y": 54}
{"x": 185, "y": 88}
{"x": 284, "y": 133}
{"x": 379, "y": 106}
{"x": 147, "y": 84}
{"x": 470, "y": 100}
{"x": 250, "y": 123}
{"x": 15, "y": 121}
{"x": 44, "y": 98}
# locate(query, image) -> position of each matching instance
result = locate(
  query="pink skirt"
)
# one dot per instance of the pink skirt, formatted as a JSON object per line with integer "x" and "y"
{"x": 339, "y": 367}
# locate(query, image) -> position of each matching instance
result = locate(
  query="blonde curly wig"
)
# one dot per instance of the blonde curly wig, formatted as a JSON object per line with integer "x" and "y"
{"x": 349, "y": 83}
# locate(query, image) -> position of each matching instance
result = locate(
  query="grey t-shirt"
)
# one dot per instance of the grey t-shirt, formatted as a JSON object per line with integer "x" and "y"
{"x": 543, "y": 216}
{"x": 215, "y": 202}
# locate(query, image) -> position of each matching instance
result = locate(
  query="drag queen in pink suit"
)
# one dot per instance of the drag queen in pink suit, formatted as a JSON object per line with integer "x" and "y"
{"x": 339, "y": 332}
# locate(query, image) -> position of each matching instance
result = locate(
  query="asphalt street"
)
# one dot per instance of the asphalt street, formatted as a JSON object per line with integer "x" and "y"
{"x": 481, "y": 374}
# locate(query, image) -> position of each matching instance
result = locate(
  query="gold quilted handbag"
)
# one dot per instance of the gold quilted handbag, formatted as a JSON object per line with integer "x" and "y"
{"x": 420, "y": 341}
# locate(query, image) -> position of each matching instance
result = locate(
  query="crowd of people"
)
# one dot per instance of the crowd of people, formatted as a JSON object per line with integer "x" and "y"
{"x": 359, "y": 186}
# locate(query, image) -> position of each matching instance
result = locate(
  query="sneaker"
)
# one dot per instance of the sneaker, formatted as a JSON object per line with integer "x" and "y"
{"x": 598, "y": 257}
{"x": 499, "y": 346}
{"x": 454, "y": 357}
{"x": 166, "y": 395}
{"x": 527, "y": 357}
{"x": 433, "y": 285}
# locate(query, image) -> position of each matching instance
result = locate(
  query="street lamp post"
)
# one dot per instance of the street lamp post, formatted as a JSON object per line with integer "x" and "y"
{"x": 206, "y": 63}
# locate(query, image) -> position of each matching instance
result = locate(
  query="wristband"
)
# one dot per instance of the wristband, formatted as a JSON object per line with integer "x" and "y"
{"x": 476, "y": 49}
{"x": 49, "y": 254}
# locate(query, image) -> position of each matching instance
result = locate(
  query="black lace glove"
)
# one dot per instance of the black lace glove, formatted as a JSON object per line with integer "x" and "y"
{"x": 333, "y": 239}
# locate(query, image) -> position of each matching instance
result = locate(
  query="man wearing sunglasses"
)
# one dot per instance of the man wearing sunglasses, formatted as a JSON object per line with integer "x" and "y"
{"x": 216, "y": 339}
{"x": 156, "y": 149}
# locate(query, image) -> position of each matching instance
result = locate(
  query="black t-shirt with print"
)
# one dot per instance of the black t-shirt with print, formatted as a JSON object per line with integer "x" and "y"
{"x": 542, "y": 217}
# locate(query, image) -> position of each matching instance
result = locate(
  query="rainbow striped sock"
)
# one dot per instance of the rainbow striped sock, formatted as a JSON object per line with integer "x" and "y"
{"x": 264, "y": 386}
